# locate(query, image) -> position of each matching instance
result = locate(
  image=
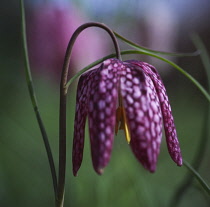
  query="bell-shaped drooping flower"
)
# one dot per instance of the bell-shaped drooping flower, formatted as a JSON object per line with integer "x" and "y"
{"x": 123, "y": 95}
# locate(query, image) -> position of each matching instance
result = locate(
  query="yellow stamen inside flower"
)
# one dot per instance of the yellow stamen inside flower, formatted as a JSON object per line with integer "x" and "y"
{"x": 121, "y": 121}
{"x": 125, "y": 126}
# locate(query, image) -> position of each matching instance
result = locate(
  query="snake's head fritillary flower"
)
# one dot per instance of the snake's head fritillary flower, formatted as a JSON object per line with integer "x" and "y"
{"x": 129, "y": 96}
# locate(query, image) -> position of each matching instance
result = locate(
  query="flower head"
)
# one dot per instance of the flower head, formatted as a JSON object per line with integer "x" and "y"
{"x": 123, "y": 95}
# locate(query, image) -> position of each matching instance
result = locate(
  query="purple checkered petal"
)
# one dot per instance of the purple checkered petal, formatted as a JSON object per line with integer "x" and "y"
{"x": 80, "y": 118}
{"x": 143, "y": 114}
{"x": 170, "y": 129}
{"x": 102, "y": 111}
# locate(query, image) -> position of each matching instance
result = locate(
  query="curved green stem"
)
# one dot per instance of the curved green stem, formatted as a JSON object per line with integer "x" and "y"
{"x": 34, "y": 101}
{"x": 63, "y": 94}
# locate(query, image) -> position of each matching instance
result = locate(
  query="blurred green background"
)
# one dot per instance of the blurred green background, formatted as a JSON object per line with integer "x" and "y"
{"x": 25, "y": 178}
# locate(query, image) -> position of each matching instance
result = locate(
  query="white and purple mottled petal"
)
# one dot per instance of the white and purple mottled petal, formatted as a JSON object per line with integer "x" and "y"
{"x": 102, "y": 103}
{"x": 143, "y": 114}
{"x": 80, "y": 119}
{"x": 170, "y": 129}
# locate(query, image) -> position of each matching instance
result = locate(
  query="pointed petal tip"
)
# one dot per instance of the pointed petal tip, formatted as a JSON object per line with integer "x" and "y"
{"x": 75, "y": 170}
{"x": 152, "y": 169}
{"x": 75, "y": 174}
{"x": 99, "y": 171}
{"x": 180, "y": 162}
{"x": 177, "y": 158}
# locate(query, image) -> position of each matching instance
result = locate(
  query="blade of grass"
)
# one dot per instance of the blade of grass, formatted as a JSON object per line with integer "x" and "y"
{"x": 204, "y": 55}
{"x": 34, "y": 100}
{"x": 197, "y": 176}
{"x": 144, "y": 49}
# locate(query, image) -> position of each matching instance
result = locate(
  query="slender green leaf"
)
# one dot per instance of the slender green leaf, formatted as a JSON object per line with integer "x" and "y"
{"x": 197, "y": 176}
{"x": 204, "y": 55}
{"x": 144, "y": 49}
